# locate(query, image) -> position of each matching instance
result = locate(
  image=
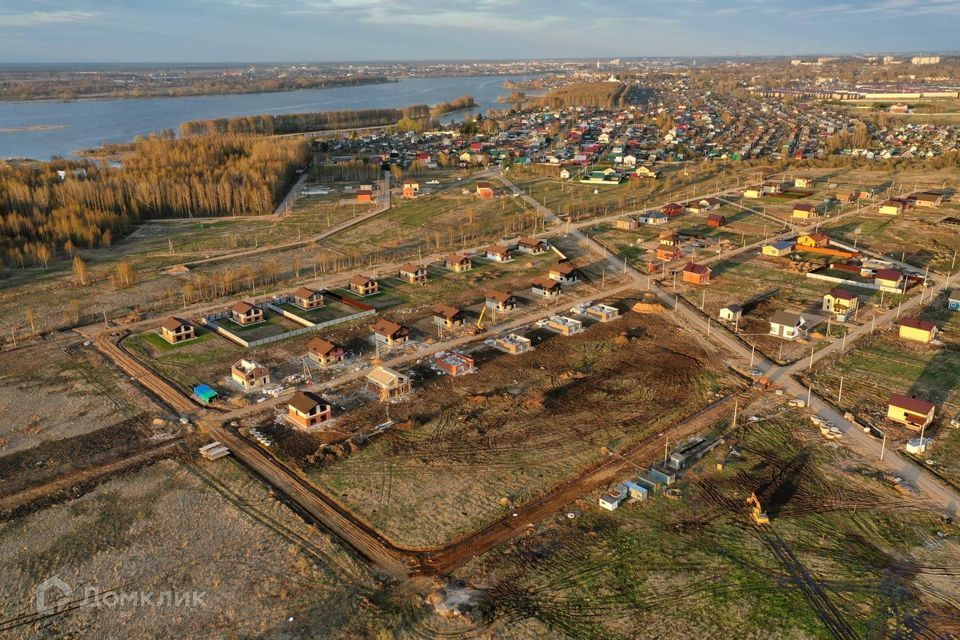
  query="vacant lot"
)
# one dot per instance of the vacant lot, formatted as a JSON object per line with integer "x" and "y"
{"x": 697, "y": 567}
{"x": 205, "y": 528}
{"x": 465, "y": 449}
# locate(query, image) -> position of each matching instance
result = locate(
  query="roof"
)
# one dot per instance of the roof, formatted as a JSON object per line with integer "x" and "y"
{"x": 781, "y": 244}
{"x": 699, "y": 269}
{"x": 803, "y": 206}
{"x": 786, "y": 318}
{"x": 173, "y": 323}
{"x": 305, "y": 292}
{"x": 243, "y": 307}
{"x": 716, "y": 216}
{"x": 499, "y": 296}
{"x": 305, "y": 401}
{"x": 411, "y": 268}
{"x": 360, "y": 279}
{"x": 915, "y": 405}
{"x": 446, "y": 311}
{"x": 563, "y": 268}
{"x": 484, "y": 185}
{"x": 497, "y": 248}
{"x": 916, "y": 323}
{"x": 321, "y": 347}
{"x": 385, "y": 377}
{"x": 204, "y": 392}
{"x": 544, "y": 283}
{"x": 841, "y": 294}
{"x": 888, "y": 274}
{"x": 386, "y": 327}
{"x": 453, "y": 257}
{"x": 733, "y": 307}
{"x": 529, "y": 242}
{"x": 953, "y": 294}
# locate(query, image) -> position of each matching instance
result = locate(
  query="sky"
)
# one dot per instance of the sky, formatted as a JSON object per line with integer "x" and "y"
{"x": 352, "y": 30}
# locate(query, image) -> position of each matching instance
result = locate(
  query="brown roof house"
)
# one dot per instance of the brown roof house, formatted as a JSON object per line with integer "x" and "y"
{"x": 388, "y": 384}
{"x": 324, "y": 352}
{"x": 364, "y": 286}
{"x": 176, "y": 330}
{"x": 307, "y": 410}
{"x": 307, "y": 298}
{"x": 913, "y": 412}
{"x": 501, "y": 301}
{"x": 457, "y": 262}
{"x": 545, "y": 287}
{"x": 446, "y": 316}
{"x": 696, "y": 273}
{"x": 917, "y": 330}
{"x": 249, "y": 374}
{"x": 245, "y": 313}
{"x": 413, "y": 273}
{"x": 390, "y": 333}
{"x": 532, "y": 246}
{"x": 564, "y": 273}
{"x": 498, "y": 253}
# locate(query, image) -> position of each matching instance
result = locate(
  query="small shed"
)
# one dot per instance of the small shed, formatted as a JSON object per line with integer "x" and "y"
{"x": 205, "y": 393}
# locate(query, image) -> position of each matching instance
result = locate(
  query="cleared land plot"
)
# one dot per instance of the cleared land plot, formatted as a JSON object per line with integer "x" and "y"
{"x": 331, "y": 310}
{"x": 519, "y": 426}
{"x": 206, "y": 528}
{"x": 697, "y": 567}
{"x": 59, "y": 389}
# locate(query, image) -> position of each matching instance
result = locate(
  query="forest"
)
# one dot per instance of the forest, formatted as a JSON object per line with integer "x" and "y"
{"x": 606, "y": 95}
{"x": 49, "y": 209}
{"x": 266, "y": 124}
{"x": 457, "y": 104}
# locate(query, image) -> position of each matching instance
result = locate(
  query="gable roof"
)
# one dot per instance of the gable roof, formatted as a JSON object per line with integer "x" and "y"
{"x": 173, "y": 323}
{"x": 386, "y": 327}
{"x": 888, "y": 274}
{"x": 915, "y": 405}
{"x": 243, "y": 307}
{"x": 306, "y": 401}
{"x": 545, "y": 283}
{"x": 499, "y": 296}
{"x": 916, "y": 323}
{"x": 786, "y": 318}
{"x": 446, "y": 311}
{"x": 305, "y": 292}
{"x": 360, "y": 280}
{"x": 841, "y": 294}
{"x": 321, "y": 347}
{"x": 699, "y": 269}
{"x": 411, "y": 268}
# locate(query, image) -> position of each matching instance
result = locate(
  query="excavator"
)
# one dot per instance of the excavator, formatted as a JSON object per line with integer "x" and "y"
{"x": 479, "y": 328}
{"x": 758, "y": 514}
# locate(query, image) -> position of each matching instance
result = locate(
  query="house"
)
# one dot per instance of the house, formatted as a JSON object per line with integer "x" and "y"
{"x": 654, "y": 217}
{"x": 389, "y": 333}
{"x": 716, "y": 220}
{"x": 411, "y": 188}
{"x": 324, "y": 352}
{"x": 603, "y": 312}
{"x": 731, "y": 312}
{"x": 668, "y": 252}
{"x": 388, "y": 384}
{"x": 498, "y": 253}
{"x": 786, "y": 324}
{"x": 249, "y": 374}
{"x": 805, "y": 211}
{"x": 564, "y": 273}
{"x": 454, "y": 363}
{"x": 778, "y": 249}
{"x": 926, "y": 199}
{"x": 413, "y": 273}
{"x": 306, "y": 410}
{"x": 484, "y": 190}
{"x": 364, "y": 196}
{"x": 846, "y": 197}
{"x": 513, "y": 344}
{"x": 752, "y": 193}
{"x": 696, "y": 273}
{"x": 912, "y": 412}
{"x": 888, "y": 278}
{"x": 669, "y": 238}
{"x": 364, "y": 286}
{"x": 244, "y": 313}
{"x": 458, "y": 263}
{"x": 307, "y": 298}
{"x": 545, "y": 287}
{"x": 532, "y": 246}
{"x": 205, "y": 394}
{"x": 803, "y": 182}
{"x": 672, "y": 209}
{"x": 176, "y": 330}
{"x": 500, "y": 301}
{"x": 892, "y": 207}
{"x": 917, "y": 330}
{"x": 953, "y": 300}
{"x": 627, "y": 223}
{"x": 564, "y": 326}
{"x": 771, "y": 187}
{"x": 446, "y": 316}
{"x": 840, "y": 302}
{"x": 818, "y": 240}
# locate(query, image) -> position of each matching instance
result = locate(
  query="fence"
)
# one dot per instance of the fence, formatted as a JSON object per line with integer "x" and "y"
{"x": 211, "y": 322}
{"x": 854, "y": 283}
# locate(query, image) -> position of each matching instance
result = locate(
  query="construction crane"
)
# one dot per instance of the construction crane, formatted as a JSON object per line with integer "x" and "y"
{"x": 479, "y": 328}
{"x": 758, "y": 514}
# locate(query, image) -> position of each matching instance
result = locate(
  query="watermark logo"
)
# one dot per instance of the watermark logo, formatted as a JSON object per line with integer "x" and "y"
{"x": 54, "y": 594}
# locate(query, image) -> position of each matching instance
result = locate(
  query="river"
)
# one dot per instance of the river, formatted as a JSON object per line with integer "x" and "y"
{"x": 44, "y": 129}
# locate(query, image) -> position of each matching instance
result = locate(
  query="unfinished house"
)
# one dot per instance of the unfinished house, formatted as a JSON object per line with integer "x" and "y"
{"x": 413, "y": 273}
{"x": 249, "y": 374}
{"x": 603, "y": 312}
{"x": 364, "y": 286}
{"x": 307, "y": 298}
{"x": 324, "y": 352}
{"x": 388, "y": 384}
{"x": 513, "y": 344}
{"x": 307, "y": 410}
{"x": 498, "y": 253}
{"x": 500, "y": 301}
{"x": 446, "y": 316}
{"x": 244, "y": 313}
{"x": 716, "y": 220}
{"x": 411, "y": 188}
{"x": 545, "y": 287}
{"x": 485, "y": 190}
{"x": 390, "y": 333}
{"x": 454, "y": 363}
{"x": 696, "y": 273}
{"x": 532, "y": 246}
{"x": 176, "y": 330}
{"x": 457, "y": 263}
{"x": 564, "y": 326}
{"x": 564, "y": 273}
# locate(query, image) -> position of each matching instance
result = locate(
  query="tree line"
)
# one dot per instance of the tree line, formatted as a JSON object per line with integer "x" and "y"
{"x": 53, "y": 208}
{"x": 288, "y": 123}
{"x": 457, "y": 104}
{"x": 606, "y": 95}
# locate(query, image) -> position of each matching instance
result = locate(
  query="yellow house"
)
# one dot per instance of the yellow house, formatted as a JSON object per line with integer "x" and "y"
{"x": 813, "y": 240}
{"x": 805, "y": 211}
{"x": 891, "y": 207}
{"x": 913, "y": 412}
{"x": 778, "y": 249}
{"x": 840, "y": 302}
{"x": 917, "y": 330}
{"x": 752, "y": 193}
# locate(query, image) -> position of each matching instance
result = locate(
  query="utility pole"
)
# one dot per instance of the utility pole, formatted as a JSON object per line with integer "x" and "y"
{"x": 736, "y": 405}
{"x": 840, "y": 392}
{"x": 810, "y": 366}
{"x": 708, "y": 326}
{"x": 703, "y": 302}
{"x": 676, "y": 303}
{"x": 753, "y": 350}
{"x": 883, "y": 446}
{"x": 809, "y": 393}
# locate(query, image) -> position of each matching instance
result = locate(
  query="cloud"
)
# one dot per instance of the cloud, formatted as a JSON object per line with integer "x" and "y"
{"x": 38, "y": 18}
